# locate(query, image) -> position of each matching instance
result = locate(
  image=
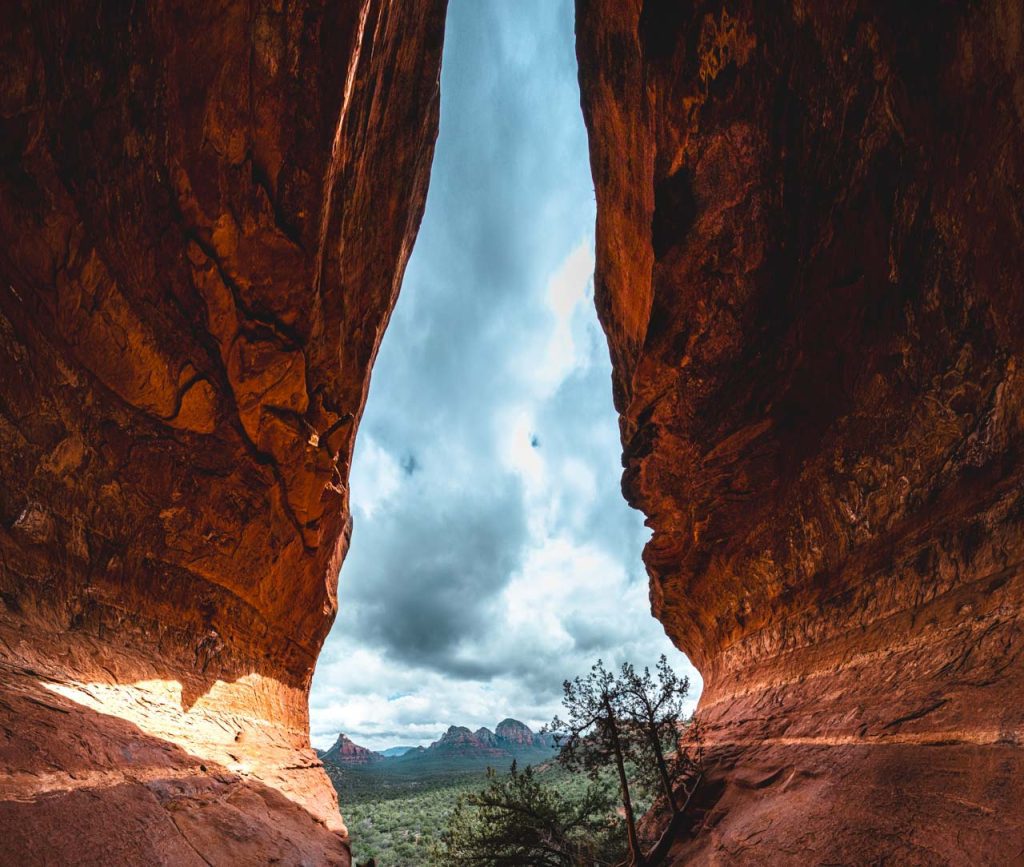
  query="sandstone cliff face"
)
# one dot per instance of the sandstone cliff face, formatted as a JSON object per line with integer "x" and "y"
{"x": 810, "y": 245}
{"x": 206, "y": 211}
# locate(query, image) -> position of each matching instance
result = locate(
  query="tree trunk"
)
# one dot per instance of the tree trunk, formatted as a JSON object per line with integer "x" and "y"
{"x": 662, "y": 767}
{"x": 627, "y": 803}
{"x": 676, "y": 827}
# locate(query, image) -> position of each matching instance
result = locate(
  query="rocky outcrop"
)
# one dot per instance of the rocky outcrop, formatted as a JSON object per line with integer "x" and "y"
{"x": 206, "y": 210}
{"x": 514, "y": 732}
{"x": 809, "y": 255}
{"x": 346, "y": 752}
{"x": 460, "y": 742}
{"x": 511, "y": 740}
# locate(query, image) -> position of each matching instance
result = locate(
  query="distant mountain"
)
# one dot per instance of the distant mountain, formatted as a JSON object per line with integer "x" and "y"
{"x": 345, "y": 752}
{"x": 511, "y": 740}
{"x": 512, "y": 732}
{"x": 460, "y": 741}
{"x": 395, "y": 752}
{"x": 457, "y": 747}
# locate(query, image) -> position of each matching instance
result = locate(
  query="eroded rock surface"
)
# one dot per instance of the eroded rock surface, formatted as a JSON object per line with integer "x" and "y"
{"x": 809, "y": 258}
{"x": 206, "y": 211}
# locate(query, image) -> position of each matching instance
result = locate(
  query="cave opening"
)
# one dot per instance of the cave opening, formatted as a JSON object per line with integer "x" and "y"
{"x": 807, "y": 262}
{"x": 492, "y": 553}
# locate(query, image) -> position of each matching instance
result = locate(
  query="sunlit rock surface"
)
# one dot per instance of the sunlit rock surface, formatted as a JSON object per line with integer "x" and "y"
{"x": 810, "y": 251}
{"x": 206, "y": 211}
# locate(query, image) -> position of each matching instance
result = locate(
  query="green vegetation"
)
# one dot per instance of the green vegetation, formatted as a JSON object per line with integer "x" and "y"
{"x": 400, "y": 824}
{"x": 623, "y": 727}
{"x": 399, "y": 819}
{"x": 518, "y": 819}
{"x": 618, "y": 743}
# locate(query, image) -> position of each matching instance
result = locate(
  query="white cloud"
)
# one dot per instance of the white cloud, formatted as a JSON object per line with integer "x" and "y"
{"x": 375, "y": 477}
{"x": 568, "y": 285}
{"x": 492, "y": 553}
{"x": 554, "y": 352}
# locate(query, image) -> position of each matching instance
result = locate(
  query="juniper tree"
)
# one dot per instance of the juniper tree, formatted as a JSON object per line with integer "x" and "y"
{"x": 593, "y": 737}
{"x": 653, "y": 711}
{"x": 518, "y": 820}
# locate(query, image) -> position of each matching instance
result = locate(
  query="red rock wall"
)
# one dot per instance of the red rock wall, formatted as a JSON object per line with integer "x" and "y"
{"x": 206, "y": 210}
{"x": 810, "y": 248}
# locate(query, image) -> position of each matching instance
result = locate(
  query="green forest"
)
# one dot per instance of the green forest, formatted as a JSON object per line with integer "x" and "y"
{"x": 400, "y": 821}
{"x": 618, "y": 753}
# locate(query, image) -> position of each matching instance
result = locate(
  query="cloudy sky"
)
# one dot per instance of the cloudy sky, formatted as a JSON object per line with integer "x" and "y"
{"x": 492, "y": 553}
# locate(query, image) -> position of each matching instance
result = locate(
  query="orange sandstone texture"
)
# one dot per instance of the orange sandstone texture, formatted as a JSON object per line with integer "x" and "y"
{"x": 206, "y": 208}
{"x": 810, "y": 251}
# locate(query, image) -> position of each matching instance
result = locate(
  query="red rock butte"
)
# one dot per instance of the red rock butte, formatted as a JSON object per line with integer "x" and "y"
{"x": 810, "y": 249}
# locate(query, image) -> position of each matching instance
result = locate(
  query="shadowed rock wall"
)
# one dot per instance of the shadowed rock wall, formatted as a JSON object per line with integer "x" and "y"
{"x": 810, "y": 248}
{"x": 206, "y": 210}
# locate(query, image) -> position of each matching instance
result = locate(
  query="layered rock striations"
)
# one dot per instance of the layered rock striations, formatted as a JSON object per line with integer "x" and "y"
{"x": 206, "y": 212}
{"x": 809, "y": 255}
